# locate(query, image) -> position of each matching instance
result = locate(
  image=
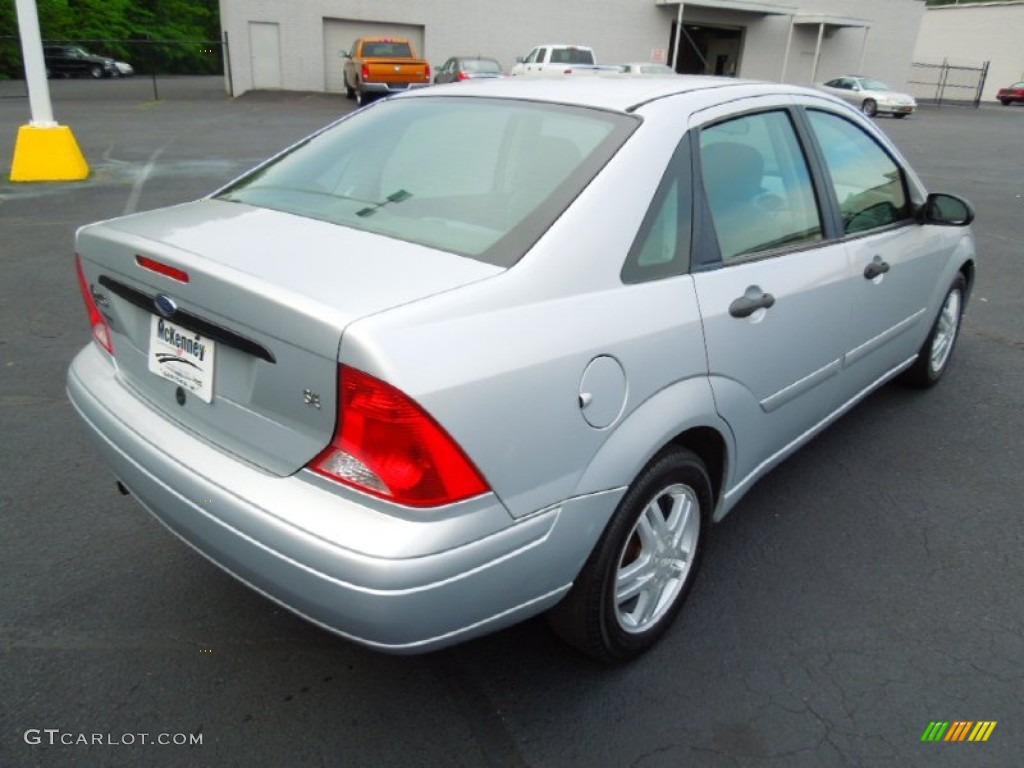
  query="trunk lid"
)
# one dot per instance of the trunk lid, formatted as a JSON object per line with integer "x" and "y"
{"x": 269, "y": 294}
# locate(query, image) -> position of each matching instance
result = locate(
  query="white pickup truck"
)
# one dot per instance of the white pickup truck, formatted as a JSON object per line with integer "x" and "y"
{"x": 558, "y": 60}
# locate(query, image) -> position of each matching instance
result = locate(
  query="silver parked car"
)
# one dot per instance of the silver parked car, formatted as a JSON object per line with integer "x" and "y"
{"x": 488, "y": 350}
{"x": 870, "y": 96}
{"x": 459, "y": 68}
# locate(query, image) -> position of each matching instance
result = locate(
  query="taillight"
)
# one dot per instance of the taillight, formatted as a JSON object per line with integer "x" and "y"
{"x": 385, "y": 444}
{"x": 365, "y": 72}
{"x": 100, "y": 329}
{"x": 426, "y": 74}
{"x": 463, "y": 76}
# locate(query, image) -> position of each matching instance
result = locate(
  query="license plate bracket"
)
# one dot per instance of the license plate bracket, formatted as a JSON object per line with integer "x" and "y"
{"x": 181, "y": 356}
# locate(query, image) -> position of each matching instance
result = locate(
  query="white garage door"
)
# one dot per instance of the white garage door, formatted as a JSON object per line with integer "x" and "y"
{"x": 339, "y": 34}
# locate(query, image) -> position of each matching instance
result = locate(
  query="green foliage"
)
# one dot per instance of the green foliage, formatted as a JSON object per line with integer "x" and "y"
{"x": 154, "y": 36}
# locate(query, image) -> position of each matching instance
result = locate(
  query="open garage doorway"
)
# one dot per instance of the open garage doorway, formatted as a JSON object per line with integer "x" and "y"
{"x": 705, "y": 50}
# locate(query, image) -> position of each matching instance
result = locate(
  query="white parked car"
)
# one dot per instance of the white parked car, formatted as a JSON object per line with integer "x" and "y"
{"x": 870, "y": 96}
{"x": 556, "y": 60}
{"x": 646, "y": 69}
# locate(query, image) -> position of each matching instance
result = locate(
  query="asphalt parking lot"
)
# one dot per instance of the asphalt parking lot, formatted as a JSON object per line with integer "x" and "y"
{"x": 871, "y": 584}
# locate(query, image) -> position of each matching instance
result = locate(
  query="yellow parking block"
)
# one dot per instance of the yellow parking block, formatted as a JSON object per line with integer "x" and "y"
{"x": 47, "y": 154}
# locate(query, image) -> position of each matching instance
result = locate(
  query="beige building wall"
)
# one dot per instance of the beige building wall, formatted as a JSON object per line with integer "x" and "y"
{"x": 972, "y": 34}
{"x": 618, "y": 30}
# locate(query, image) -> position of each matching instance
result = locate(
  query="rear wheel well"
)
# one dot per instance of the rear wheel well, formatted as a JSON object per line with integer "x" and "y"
{"x": 710, "y": 446}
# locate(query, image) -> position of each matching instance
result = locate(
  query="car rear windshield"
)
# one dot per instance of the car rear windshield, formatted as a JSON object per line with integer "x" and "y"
{"x": 480, "y": 177}
{"x": 487, "y": 66}
{"x": 572, "y": 56}
{"x": 387, "y": 51}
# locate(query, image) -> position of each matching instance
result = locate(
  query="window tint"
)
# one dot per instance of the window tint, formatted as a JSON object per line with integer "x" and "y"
{"x": 387, "y": 50}
{"x": 571, "y": 56}
{"x": 662, "y": 246}
{"x": 488, "y": 66}
{"x": 758, "y": 185}
{"x": 868, "y": 184}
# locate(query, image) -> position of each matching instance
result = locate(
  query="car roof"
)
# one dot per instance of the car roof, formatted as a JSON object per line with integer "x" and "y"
{"x": 604, "y": 92}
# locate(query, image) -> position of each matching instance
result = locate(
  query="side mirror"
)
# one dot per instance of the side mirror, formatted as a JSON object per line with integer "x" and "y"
{"x": 520, "y": 59}
{"x": 945, "y": 210}
{"x": 345, "y": 54}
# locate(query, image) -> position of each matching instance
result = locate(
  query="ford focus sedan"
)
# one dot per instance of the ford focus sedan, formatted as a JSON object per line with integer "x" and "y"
{"x": 490, "y": 350}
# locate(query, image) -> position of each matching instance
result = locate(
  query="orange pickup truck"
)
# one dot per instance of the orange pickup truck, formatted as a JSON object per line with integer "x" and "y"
{"x": 377, "y": 66}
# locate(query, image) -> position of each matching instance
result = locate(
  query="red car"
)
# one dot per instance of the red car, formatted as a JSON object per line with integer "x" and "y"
{"x": 1009, "y": 95}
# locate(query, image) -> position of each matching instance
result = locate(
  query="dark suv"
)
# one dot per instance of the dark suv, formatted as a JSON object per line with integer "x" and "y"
{"x": 73, "y": 61}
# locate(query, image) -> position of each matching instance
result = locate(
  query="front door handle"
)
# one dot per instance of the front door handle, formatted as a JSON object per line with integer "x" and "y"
{"x": 745, "y": 306}
{"x": 876, "y": 268}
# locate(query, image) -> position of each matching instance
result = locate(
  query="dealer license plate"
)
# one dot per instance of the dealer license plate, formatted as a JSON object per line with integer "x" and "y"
{"x": 182, "y": 356}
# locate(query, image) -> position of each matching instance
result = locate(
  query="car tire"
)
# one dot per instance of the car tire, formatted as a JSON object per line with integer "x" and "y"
{"x": 641, "y": 570}
{"x": 869, "y": 107}
{"x": 362, "y": 98}
{"x": 96, "y": 71}
{"x": 1005, "y": 102}
{"x": 350, "y": 92}
{"x": 935, "y": 354}
{"x": 900, "y": 115}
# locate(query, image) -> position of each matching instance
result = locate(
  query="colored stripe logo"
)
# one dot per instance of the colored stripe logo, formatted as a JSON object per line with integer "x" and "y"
{"x": 958, "y": 730}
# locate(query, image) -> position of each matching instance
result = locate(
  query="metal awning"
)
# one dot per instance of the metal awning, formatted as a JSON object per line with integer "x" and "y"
{"x": 817, "y": 19}
{"x": 824, "y": 21}
{"x": 742, "y": 6}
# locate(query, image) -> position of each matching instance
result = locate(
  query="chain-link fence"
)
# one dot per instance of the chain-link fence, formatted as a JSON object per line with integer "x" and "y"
{"x": 150, "y": 59}
{"x": 947, "y": 83}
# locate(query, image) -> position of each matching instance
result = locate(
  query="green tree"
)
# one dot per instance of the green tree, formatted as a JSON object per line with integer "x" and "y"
{"x": 161, "y": 36}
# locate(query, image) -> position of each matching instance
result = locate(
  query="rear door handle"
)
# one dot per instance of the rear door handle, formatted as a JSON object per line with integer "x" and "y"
{"x": 745, "y": 306}
{"x": 876, "y": 268}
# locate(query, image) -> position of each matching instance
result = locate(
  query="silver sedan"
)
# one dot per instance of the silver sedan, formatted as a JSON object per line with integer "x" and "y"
{"x": 870, "y": 96}
{"x": 490, "y": 350}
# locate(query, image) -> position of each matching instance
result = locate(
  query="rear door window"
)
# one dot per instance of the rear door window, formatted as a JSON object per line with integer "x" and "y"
{"x": 758, "y": 186}
{"x": 662, "y": 246}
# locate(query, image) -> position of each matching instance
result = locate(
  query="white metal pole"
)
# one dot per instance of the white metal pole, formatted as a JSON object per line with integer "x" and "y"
{"x": 35, "y": 65}
{"x": 863, "y": 50}
{"x": 679, "y": 34}
{"x": 789, "y": 45}
{"x": 817, "y": 53}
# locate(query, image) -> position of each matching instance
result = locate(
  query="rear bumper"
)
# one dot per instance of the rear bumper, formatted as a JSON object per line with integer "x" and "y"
{"x": 402, "y": 585}
{"x": 391, "y": 87}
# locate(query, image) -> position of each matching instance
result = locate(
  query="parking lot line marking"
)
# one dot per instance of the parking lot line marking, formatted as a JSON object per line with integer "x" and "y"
{"x": 133, "y": 198}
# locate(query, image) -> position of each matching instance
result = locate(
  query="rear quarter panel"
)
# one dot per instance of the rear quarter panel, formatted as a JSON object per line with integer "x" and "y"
{"x": 499, "y": 363}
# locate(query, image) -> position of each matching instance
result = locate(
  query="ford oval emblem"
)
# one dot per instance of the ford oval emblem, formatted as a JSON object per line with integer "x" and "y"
{"x": 165, "y": 305}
